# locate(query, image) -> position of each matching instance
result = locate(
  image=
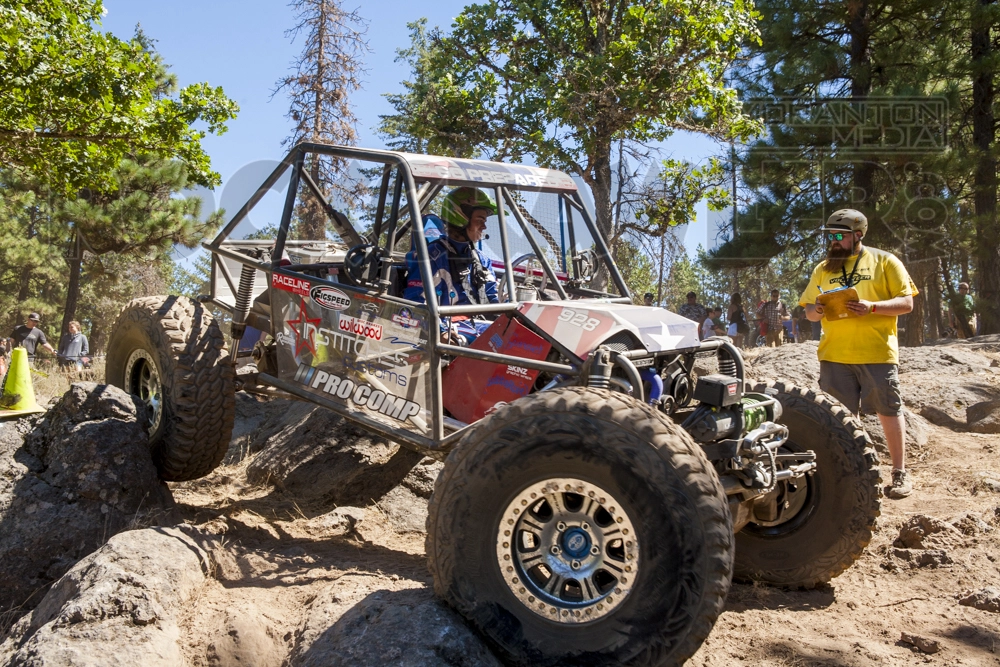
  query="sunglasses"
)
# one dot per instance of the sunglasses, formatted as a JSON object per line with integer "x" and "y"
{"x": 836, "y": 236}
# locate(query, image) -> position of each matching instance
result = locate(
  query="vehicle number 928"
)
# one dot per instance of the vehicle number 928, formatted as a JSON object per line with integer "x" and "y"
{"x": 579, "y": 319}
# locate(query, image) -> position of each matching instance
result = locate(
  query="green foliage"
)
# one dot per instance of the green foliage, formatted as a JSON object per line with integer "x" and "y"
{"x": 563, "y": 81}
{"x": 636, "y": 268}
{"x": 74, "y": 102}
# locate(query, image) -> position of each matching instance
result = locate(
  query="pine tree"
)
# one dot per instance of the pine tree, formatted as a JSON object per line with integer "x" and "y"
{"x": 328, "y": 70}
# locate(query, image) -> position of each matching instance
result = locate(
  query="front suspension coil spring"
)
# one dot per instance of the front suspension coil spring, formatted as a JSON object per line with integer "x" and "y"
{"x": 248, "y": 276}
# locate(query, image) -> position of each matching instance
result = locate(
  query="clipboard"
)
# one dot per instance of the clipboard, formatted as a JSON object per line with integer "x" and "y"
{"x": 835, "y": 303}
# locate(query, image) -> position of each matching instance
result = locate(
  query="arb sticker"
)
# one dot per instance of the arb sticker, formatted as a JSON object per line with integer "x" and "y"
{"x": 330, "y": 297}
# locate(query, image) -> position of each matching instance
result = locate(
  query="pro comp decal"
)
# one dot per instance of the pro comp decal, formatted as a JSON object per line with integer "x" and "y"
{"x": 361, "y": 394}
{"x": 330, "y": 298}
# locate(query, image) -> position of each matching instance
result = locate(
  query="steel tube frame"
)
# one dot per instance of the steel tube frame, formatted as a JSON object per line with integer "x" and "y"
{"x": 437, "y": 443}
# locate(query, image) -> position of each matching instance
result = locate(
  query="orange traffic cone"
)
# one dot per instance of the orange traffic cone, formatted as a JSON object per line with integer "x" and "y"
{"x": 18, "y": 394}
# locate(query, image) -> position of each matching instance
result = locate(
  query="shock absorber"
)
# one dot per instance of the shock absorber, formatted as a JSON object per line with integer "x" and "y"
{"x": 248, "y": 274}
{"x": 600, "y": 369}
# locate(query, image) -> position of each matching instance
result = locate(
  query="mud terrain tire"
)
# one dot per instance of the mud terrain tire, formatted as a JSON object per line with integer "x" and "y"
{"x": 630, "y": 455}
{"x": 834, "y": 526}
{"x": 172, "y": 344}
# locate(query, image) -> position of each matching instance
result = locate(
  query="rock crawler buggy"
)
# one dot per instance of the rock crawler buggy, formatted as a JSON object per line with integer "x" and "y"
{"x": 596, "y": 499}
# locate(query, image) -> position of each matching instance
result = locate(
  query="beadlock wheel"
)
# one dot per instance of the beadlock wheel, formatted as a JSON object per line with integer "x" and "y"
{"x": 568, "y": 550}
{"x": 143, "y": 380}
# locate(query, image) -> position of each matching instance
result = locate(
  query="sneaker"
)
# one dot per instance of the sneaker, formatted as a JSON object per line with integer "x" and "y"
{"x": 901, "y": 486}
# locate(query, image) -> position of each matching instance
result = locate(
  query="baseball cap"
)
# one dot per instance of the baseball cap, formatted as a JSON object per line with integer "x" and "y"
{"x": 34, "y": 317}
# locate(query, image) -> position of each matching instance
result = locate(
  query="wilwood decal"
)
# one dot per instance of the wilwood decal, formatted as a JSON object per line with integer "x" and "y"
{"x": 358, "y": 327}
{"x": 330, "y": 298}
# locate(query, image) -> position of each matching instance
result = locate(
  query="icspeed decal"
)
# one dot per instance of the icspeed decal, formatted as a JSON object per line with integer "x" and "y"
{"x": 330, "y": 298}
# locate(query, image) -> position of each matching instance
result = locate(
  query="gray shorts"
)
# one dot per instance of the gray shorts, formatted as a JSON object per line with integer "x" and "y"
{"x": 866, "y": 388}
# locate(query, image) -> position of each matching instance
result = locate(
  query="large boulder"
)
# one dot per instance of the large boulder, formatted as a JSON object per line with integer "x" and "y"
{"x": 322, "y": 459}
{"x": 407, "y": 628}
{"x": 118, "y": 606}
{"x": 82, "y": 474}
{"x": 983, "y": 417}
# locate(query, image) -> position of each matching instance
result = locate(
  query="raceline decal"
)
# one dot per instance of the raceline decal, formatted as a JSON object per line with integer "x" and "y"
{"x": 290, "y": 284}
{"x": 330, "y": 298}
{"x": 359, "y": 327}
{"x": 304, "y": 328}
{"x": 362, "y": 395}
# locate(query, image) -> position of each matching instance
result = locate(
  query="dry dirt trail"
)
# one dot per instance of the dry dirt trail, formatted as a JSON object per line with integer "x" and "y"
{"x": 295, "y": 577}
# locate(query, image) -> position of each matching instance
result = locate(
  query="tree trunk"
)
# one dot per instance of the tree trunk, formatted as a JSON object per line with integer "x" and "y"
{"x": 987, "y": 251}
{"x": 934, "y": 328}
{"x": 860, "y": 68}
{"x": 919, "y": 272}
{"x": 603, "y": 208}
{"x": 75, "y": 262}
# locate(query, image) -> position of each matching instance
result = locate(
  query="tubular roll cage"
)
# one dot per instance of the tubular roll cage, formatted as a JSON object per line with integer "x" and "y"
{"x": 438, "y": 444}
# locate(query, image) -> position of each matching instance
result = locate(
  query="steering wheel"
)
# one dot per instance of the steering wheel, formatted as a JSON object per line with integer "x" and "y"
{"x": 529, "y": 276}
{"x": 357, "y": 264}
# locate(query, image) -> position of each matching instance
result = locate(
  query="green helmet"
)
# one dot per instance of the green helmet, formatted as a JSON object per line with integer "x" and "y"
{"x": 460, "y": 202}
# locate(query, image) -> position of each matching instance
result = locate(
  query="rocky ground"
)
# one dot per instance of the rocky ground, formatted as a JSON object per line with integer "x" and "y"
{"x": 307, "y": 547}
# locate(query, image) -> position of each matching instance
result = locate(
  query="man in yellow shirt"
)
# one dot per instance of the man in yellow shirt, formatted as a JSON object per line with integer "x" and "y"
{"x": 859, "y": 350}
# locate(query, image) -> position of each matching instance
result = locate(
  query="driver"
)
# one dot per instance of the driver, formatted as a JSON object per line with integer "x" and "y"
{"x": 462, "y": 274}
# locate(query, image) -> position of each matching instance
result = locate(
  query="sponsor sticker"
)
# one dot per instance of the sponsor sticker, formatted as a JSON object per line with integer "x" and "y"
{"x": 359, "y": 327}
{"x": 405, "y": 319}
{"x": 330, "y": 298}
{"x": 290, "y": 284}
{"x": 362, "y": 395}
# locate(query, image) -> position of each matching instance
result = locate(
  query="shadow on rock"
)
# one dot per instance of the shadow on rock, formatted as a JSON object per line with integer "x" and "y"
{"x": 408, "y": 628}
{"x": 82, "y": 474}
{"x": 323, "y": 460}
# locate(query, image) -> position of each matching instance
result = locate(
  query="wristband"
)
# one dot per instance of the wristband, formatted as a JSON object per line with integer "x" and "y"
{"x": 873, "y": 307}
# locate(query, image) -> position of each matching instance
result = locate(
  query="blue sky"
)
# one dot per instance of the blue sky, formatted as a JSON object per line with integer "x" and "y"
{"x": 242, "y": 47}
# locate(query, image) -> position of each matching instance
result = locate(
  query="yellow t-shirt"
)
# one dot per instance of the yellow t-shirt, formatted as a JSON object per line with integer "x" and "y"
{"x": 870, "y": 339}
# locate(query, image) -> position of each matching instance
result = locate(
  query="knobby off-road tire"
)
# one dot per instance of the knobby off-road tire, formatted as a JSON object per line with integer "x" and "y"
{"x": 841, "y": 499}
{"x": 649, "y": 599}
{"x": 169, "y": 351}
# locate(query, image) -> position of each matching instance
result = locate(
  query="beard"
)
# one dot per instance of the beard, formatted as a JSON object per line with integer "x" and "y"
{"x": 836, "y": 257}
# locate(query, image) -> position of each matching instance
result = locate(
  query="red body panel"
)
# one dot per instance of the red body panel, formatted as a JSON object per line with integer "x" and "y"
{"x": 472, "y": 387}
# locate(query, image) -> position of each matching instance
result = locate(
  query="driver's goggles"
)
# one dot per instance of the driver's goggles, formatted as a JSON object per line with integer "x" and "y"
{"x": 835, "y": 236}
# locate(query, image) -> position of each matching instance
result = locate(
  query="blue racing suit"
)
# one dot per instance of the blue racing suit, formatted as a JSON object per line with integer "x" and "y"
{"x": 457, "y": 279}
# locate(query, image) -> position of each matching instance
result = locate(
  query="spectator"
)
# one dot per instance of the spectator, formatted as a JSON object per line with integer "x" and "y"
{"x": 774, "y": 313}
{"x": 31, "y": 337}
{"x": 74, "y": 349}
{"x": 712, "y": 326}
{"x": 693, "y": 310}
{"x": 859, "y": 356}
{"x": 647, "y": 299}
{"x": 737, "y": 318}
{"x": 963, "y": 312}
{"x": 803, "y": 327}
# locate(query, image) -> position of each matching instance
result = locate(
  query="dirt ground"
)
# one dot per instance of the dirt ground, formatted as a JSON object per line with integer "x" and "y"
{"x": 282, "y": 559}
